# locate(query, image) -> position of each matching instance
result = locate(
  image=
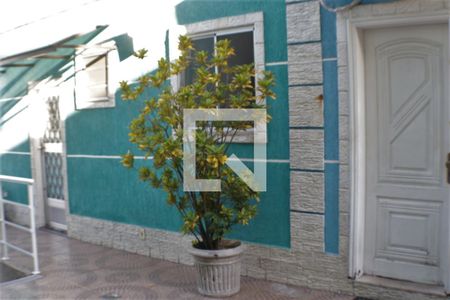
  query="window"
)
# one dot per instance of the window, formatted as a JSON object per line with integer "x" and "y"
{"x": 246, "y": 35}
{"x": 242, "y": 42}
{"x": 93, "y": 77}
{"x": 243, "y": 46}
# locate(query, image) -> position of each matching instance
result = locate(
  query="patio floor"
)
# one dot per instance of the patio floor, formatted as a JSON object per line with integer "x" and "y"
{"x": 72, "y": 269}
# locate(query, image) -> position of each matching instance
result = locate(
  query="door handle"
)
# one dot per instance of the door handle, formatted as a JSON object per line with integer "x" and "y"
{"x": 447, "y": 164}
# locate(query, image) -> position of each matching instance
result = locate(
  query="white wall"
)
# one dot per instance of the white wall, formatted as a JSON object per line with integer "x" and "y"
{"x": 27, "y": 25}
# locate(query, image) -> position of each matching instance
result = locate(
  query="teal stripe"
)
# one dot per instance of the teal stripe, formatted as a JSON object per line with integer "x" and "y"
{"x": 328, "y": 32}
{"x": 331, "y": 131}
{"x": 332, "y": 208}
{"x": 331, "y": 109}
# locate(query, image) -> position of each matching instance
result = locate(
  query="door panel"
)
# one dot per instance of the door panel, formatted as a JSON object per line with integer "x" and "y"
{"x": 406, "y": 194}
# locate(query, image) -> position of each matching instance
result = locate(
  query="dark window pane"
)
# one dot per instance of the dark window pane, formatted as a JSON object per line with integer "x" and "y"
{"x": 243, "y": 47}
{"x": 242, "y": 43}
{"x": 204, "y": 44}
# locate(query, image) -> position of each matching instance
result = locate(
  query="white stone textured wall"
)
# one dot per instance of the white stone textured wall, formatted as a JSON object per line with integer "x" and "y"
{"x": 315, "y": 268}
{"x": 304, "y": 264}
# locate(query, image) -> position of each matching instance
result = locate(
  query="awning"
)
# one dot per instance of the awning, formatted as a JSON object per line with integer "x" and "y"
{"x": 18, "y": 70}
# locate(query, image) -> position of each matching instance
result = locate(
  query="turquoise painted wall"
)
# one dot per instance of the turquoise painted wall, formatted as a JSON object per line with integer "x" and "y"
{"x": 15, "y": 165}
{"x": 100, "y": 187}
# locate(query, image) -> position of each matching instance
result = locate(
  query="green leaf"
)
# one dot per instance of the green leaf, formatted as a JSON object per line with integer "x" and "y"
{"x": 141, "y": 53}
{"x": 128, "y": 160}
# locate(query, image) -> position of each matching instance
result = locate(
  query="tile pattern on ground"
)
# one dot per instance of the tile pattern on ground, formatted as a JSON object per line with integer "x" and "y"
{"x": 72, "y": 269}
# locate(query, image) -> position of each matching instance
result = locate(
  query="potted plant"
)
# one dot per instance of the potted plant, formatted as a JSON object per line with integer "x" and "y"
{"x": 158, "y": 132}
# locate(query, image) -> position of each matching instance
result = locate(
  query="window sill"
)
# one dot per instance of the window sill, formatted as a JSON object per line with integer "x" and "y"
{"x": 105, "y": 103}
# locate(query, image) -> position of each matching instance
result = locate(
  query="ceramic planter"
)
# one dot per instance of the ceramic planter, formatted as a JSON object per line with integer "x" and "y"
{"x": 218, "y": 271}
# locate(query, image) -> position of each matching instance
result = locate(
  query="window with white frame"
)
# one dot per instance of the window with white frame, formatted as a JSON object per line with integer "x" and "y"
{"x": 241, "y": 40}
{"x": 93, "y": 77}
{"x": 246, "y": 34}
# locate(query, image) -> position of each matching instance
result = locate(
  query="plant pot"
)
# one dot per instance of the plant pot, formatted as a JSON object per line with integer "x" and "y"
{"x": 218, "y": 271}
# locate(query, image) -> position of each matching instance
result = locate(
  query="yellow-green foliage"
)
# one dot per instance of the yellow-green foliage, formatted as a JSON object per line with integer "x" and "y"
{"x": 158, "y": 132}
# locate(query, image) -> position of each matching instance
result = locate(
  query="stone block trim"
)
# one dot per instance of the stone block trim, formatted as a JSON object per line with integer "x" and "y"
{"x": 305, "y": 73}
{"x": 307, "y": 191}
{"x": 308, "y": 232}
{"x": 303, "y": 21}
{"x": 305, "y": 106}
{"x": 344, "y": 103}
{"x": 305, "y": 265}
{"x": 145, "y": 241}
{"x": 307, "y": 148}
{"x": 399, "y": 7}
{"x": 344, "y": 127}
{"x": 305, "y": 53}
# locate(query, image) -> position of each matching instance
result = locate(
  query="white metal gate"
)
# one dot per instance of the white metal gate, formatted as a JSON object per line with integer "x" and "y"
{"x": 31, "y": 230}
{"x": 53, "y": 159}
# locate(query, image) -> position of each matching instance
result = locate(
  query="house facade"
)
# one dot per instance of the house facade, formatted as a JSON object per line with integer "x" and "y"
{"x": 357, "y": 193}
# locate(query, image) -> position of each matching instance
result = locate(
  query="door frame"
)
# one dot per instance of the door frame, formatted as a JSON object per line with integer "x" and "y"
{"x": 41, "y": 92}
{"x": 356, "y": 68}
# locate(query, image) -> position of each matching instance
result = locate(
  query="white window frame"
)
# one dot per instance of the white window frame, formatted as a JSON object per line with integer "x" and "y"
{"x": 229, "y": 25}
{"x": 81, "y": 100}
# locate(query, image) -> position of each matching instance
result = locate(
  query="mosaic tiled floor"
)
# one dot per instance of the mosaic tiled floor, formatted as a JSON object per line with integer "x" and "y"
{"x": 8, "y": 273}
{"x": 76, "y": 270}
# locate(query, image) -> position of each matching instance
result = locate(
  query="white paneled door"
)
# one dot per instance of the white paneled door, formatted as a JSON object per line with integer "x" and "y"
{"x": 407, "y": 141}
